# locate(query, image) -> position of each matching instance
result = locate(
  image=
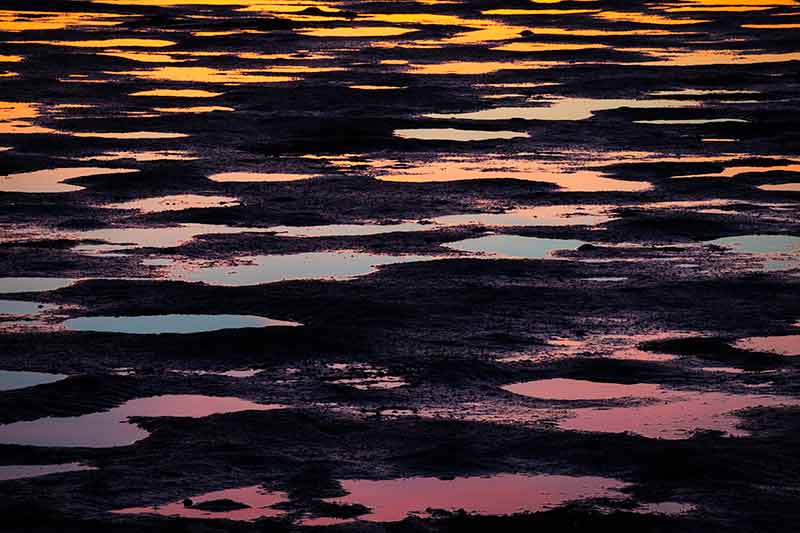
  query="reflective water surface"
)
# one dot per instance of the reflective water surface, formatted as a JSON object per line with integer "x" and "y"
{"x": 28, "y": 471}
{"x": 391, "y": 500}
{"x": 155, "y": 324}
{"x": 12, "y": 380}
{"x": 112, "y": 428}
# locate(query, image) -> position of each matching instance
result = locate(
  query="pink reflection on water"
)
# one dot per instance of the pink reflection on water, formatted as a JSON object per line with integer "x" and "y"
{"x": 659, "y": 412}
{"x": 111, "y": 428}
{"x": 677, "y": 418}
{"x": 393, "y": 499}
{"x": 258, "y": 504}
{"x": 781, "y": 344}
{"x": 577, "y": 389}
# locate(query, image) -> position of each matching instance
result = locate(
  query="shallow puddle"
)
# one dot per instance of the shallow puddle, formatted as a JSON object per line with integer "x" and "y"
{"x": 255, "y": 270}
{"x": 564, "y": 109}
{"x": 129, "y": 135}
{"x": 122, "y": 239}
{"x": 258, "y": 177}
{"x": 558, "y": 215}
{"x": 18, "y": 308}
{"x": 776, "y": 252}
{"x": 51, "y": 180}
{"x": 12, "y": 379}
{"x": 244, "y": 503}
{"x": 151, "y": 155}
{"x": 155, "y": 324}
{"x": 782, "y": 187}
{"x": 565, "y": 175}
{"x": 452, "y": 134}
{"x": 658, "y": 412}
{"x": 341, "y": 230}
{"x": 112, "y": 428}
{"x": 28, "y": 471}
{"x": 391, "y": 500}
{"x": 177, "y": 202}
{"x": 515, "y": 246}
{"x": 780, "y": 344}
{"x": 15, "y": 285}
{"x": 177, "y": 93}
{"x": 577, "y": 389}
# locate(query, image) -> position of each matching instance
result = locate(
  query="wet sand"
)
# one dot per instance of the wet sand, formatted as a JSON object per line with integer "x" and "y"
{"x": 459, "y": 265}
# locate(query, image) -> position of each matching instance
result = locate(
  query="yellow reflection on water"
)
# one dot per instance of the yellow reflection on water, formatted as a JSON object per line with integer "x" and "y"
{"x": 10, "y": 59}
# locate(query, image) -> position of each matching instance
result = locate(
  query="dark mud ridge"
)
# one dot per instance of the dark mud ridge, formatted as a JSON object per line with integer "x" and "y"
{"x": 399, "y": 266}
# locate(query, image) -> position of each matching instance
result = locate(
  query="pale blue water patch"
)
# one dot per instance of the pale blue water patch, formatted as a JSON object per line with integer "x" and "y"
{"x": 112, "y": 428}
{"x": 515, "y": 246}
{"x": 15, "y": 285}
{"x": 27, "y": 471}
{"x": 20, "y": 308}
{"x": 255, "y": 270}
{"x": 760, "y": 244}
{"x": 12, "y": 380}
{"x": 176, "y": 323}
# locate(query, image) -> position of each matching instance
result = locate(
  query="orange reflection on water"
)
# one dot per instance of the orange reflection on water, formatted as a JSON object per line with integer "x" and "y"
{"x": 772, "y": 26}
{"x": 195, "y": 109}
{"x": 641, "y": 18}
{"x": 15, "y": 118}
{"x": 475, "y": 67}
{"x": 546, "y": 47}
{"x": 17, "y": 21}
{"x": 106, "y": 43}
{"x": 51, "y": 180}
{"x": 538, "y": 11}
{"x": 681, "y": 57}
{"x": 177, "y": 93}
{"x": 356, "y": 31}
{"x": 495, "y": 167}
{"x": 144, "y": 57}
{"x": 204, "y": 75}
{"x": 603, "y": 33}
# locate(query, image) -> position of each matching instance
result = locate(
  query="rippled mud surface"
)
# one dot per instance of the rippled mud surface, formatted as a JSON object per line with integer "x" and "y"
{"x": 418, "y": 266}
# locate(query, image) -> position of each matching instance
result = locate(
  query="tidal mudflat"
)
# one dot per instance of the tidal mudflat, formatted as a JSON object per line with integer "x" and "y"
{"x": 408, "y": 266}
